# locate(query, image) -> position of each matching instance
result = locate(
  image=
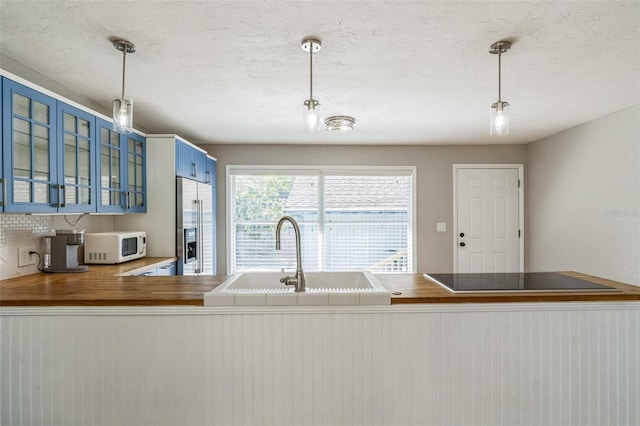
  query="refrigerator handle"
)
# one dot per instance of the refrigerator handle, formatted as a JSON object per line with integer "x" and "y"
{"x": 199, "y": 236}
{"x": 202, "y": 236}
{"x": 202, "y": 268}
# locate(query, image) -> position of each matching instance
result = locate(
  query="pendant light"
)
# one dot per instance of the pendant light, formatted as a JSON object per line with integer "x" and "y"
{"x": 123, "y": 108}
{"x": 499, "y": 124}
{"x": 310, "y": 113}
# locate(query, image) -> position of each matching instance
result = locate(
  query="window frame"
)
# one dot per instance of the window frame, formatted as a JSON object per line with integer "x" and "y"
{"x": 232, "y": 169}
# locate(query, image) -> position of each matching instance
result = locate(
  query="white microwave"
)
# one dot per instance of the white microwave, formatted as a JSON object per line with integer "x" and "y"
{"x": 114, "y": 247}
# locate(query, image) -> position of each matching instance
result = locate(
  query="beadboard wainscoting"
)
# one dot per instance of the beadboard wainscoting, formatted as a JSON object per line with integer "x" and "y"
{"x": 491, "y": 364}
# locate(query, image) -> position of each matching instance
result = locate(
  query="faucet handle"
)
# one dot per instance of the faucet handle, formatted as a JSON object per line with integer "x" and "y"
{"x": 287, "y": 280}
{"x": 283, "y": 277}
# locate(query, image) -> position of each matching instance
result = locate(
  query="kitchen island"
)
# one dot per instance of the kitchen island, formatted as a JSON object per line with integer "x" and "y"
{"x": 129, "y": 350}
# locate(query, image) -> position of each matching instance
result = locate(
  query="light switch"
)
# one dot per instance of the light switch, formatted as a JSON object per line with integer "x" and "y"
{"x": 441, "y": 227}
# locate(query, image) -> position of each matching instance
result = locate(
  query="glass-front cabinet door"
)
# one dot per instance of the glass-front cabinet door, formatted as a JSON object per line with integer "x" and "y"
{"x": 29, "y": 155}
{"x": 76, "y": 154}
{"x": 59, "y": 158}
{"x": 111, "y": 185}
{"x": 121, "y": 171}
{"x": 136, "y": 200}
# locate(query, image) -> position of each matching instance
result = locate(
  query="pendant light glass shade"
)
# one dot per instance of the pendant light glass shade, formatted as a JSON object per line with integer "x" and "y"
{"x": 499, "y": 121}
{"x": 122, "y": 115}
{"x": 122, "y": 107}
{"x": 311, "y": 116}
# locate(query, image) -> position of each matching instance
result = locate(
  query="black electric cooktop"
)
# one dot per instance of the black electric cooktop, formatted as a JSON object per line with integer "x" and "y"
{"x": 528, "y": 281}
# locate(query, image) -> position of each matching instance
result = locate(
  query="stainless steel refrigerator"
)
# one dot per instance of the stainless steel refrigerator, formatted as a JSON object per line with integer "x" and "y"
{"x": 195, "y": 232}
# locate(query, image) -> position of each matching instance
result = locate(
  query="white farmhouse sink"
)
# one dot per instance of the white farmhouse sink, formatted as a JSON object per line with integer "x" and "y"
{"x": 323, "y": 288}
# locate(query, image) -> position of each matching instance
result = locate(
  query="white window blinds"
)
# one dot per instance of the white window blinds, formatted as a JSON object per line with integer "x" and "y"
{"x": 349, "y": 219}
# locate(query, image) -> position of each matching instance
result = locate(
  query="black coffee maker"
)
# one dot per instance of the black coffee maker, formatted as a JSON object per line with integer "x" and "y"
{"x": 64, "y": 252}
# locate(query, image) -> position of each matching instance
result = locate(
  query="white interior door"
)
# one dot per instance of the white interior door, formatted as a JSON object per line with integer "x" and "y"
{"x": 487, "y": 219}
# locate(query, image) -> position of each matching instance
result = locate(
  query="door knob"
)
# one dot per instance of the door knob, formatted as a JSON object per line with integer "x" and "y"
{"x": 462, "y": 244}
{"x": 461, "y": 234}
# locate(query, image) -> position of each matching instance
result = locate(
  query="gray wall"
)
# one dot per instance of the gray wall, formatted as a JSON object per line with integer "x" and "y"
{"x": 583, "y": 199}
{"x": 434, "y": 182}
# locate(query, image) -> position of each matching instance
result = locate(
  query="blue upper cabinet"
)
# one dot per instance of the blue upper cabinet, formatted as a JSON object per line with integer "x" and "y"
{"x": 57, "y": 158}
{"x": 29, "y": 150}
{"x": 211, "y": 171}
{"x": 200, "y": 160}
{"x": 110, "y": 168}
{"x": 76, "y": 152}
{"x": 191, "y": 162}
{"x": 185, "y": 167}
{"x": 121, "y": 172}
{"x": 136, "y": 185}
{"x": 48, "y": 153}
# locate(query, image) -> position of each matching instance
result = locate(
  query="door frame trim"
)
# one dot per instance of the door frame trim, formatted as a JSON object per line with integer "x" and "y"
{"x": 520, "y": 168}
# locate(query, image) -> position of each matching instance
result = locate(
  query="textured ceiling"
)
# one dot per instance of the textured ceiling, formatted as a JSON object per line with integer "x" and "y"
{"x": 410, "y": 72}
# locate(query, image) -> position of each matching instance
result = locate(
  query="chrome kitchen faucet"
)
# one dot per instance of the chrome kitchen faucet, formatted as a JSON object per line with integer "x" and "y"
{"x": 298, "y": 280}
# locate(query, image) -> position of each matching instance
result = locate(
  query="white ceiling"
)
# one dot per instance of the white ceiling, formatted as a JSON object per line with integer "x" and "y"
{"x": 410, "y": 72}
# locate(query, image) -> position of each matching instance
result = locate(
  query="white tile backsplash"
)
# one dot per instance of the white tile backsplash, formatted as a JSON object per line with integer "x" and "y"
{"x": 23, "y": 230}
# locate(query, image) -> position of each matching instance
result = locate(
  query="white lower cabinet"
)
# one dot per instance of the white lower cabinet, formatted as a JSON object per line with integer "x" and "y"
{"x": 164, "y": 270}
{"x": 148, "y": 273}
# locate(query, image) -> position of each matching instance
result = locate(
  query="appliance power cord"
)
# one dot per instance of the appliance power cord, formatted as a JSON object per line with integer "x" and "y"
{"x": 40, "y": 268}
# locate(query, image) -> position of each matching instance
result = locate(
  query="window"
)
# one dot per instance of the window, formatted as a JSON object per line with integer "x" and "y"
{"x": 350, "y": 219}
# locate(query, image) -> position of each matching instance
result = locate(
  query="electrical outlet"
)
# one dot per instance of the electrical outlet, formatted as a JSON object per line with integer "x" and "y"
{"x": 24, "y": 258}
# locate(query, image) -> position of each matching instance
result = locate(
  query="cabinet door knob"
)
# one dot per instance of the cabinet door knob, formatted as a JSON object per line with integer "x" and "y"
{"x": 462, "y": 244}
{"x": 461, "y": 234}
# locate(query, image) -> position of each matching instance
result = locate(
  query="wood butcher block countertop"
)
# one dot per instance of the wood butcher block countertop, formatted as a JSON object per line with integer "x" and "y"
{"x": 107, "y": 285}
{"x": 112, "y": 285}
{"x": 416, "y": 288}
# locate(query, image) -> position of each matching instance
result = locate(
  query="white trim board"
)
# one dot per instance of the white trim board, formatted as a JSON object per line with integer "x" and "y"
{"x": 453, "y": 308}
